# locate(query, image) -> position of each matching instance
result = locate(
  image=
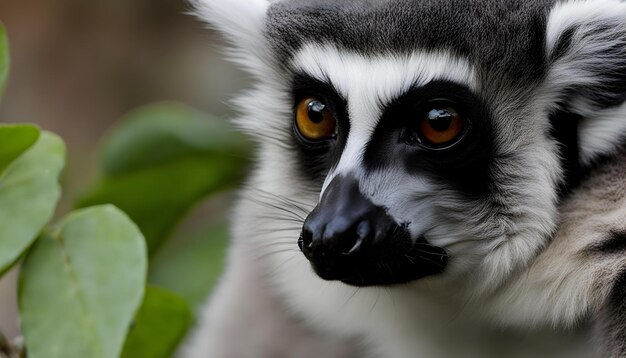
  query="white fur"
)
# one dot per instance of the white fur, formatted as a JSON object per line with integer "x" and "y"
{"x": 568, "y": 281}
{"x": 369, "y": 83}
{"x": 601, "y": 130}
{"x": 241, "y": 22}
{"x": 495, "y": 277}
{"x": 372, "y": 82}
{"x": 569, "y": 13}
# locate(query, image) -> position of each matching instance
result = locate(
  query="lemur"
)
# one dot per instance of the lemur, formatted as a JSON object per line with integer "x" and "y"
{"x": 433, "y": 178}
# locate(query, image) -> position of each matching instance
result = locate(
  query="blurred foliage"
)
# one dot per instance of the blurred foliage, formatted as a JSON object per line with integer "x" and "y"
{"x": 14, "y": 140}
{"x": 162, "y": 160}
{"x": 165, "y": 132}
{"x": 4, "y": 58}
{"x": 29, "y": 188}
{"x": 81, "y": 285}
{"x": 158, "y": 164}
{"x": 160, "y": 324}
{"x": 192, "y": 264}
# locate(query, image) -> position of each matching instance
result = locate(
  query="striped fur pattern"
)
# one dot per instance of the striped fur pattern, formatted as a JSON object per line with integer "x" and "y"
{"x": 531, "y": 210}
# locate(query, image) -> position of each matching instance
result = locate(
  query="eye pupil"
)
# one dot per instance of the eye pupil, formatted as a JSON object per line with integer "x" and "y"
{"x": 316, "y": 111}
{"x": 440, "y": 119}
{"x": 313, "y": 120}
{"x": 441, "y": 126}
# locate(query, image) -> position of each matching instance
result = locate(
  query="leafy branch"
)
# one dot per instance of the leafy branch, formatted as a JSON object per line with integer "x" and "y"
{"x": 86, "y": 285}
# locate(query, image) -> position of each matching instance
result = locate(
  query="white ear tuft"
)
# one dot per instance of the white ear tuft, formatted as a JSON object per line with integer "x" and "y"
{"x": 586, "y": 48}
{"x": 242, "y": 23}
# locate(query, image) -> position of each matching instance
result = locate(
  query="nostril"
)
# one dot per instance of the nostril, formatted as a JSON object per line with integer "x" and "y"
{"x": 301, "y": 241}
{"x": 305, "y": 242}
{"x": 363, "y": 231}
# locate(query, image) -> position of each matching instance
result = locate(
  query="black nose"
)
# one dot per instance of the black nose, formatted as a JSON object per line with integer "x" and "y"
{"x": 349, "y": 238}
{"x": 344, "y": 223}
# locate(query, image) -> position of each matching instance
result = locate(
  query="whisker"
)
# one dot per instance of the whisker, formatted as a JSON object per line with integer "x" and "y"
{"x": 428, "y": 252}
{"x": 305, "y": 208}
{"x": 410, "y": 258}
{"x": 393, "y": 300}
{"x": 291, "y": 214}
{"x": 351, "y": 296}
{"x": 277, "y": 268}
{"x": 281, "y": 218}
{"x": 263, "y": 236}
{"x": 461, "y": 242}
{"x": 269, "y": 230}
{"x": 438, "y": 264}
{"x": 279, "y": 244}
{"x": 375, "y": 302}
{"x": 267, "y": 254}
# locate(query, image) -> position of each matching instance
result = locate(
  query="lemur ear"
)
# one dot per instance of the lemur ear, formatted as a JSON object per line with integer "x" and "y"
{"x": 242, "y": 23}
{"x": 586, "y": 48}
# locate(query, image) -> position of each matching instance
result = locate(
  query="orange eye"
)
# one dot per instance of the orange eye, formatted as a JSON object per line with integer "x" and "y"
{"x": 313, "y": 119}
{"x": 441, "y": 126}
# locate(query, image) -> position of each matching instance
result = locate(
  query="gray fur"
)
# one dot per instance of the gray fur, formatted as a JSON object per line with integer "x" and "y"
{"x": 480, "y": 30}
{"x": 528, "y": 66}
{"x": 599, "y": 207}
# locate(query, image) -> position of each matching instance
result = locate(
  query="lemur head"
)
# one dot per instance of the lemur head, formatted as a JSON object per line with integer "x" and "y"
{"x": 421, "y": 137}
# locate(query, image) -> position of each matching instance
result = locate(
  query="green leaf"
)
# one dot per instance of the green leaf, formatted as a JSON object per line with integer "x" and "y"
{"x": 156, "y": 198}
{"x": 81, "y": 286}
{"x": 162, "y": 161}
{"x": 203, "y": 251}
{"x": 160, "y": 324}
{"x": 29, "y": 191}
{"x": 164, "y": 132}
{"x": 14, "y": 140}
{"x": 4, "y": 58}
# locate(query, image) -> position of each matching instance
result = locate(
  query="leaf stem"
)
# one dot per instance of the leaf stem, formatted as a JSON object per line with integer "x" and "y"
{"x": 10, "y": 350}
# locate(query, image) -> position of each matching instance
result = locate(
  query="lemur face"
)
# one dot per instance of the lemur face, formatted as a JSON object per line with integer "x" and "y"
{"x": 405, "y": 139}
{"x": 412, "y": 161}
{"x": 388, "y": 153}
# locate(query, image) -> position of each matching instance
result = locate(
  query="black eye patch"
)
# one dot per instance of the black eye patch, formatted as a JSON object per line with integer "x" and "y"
{"x": 465, "y": 164}
{"x": 316, "y": 158}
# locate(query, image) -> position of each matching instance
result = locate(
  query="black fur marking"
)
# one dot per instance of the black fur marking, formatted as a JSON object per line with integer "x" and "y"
{"x": 465, "y": 164}
{"x": 613, "y": 320}
{"x": 614, "y": 244}
{"x": 562, "y": 45}
{"x": 612, "y": 92}
{"x": 565, "y": 131}
{"x": 316, "y": 159}
{"x": 507, "y": 35}
{"x": 609, "y": 88}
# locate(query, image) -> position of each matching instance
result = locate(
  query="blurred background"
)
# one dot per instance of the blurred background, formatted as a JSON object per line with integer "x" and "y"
{"x": 79, "y": 66}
